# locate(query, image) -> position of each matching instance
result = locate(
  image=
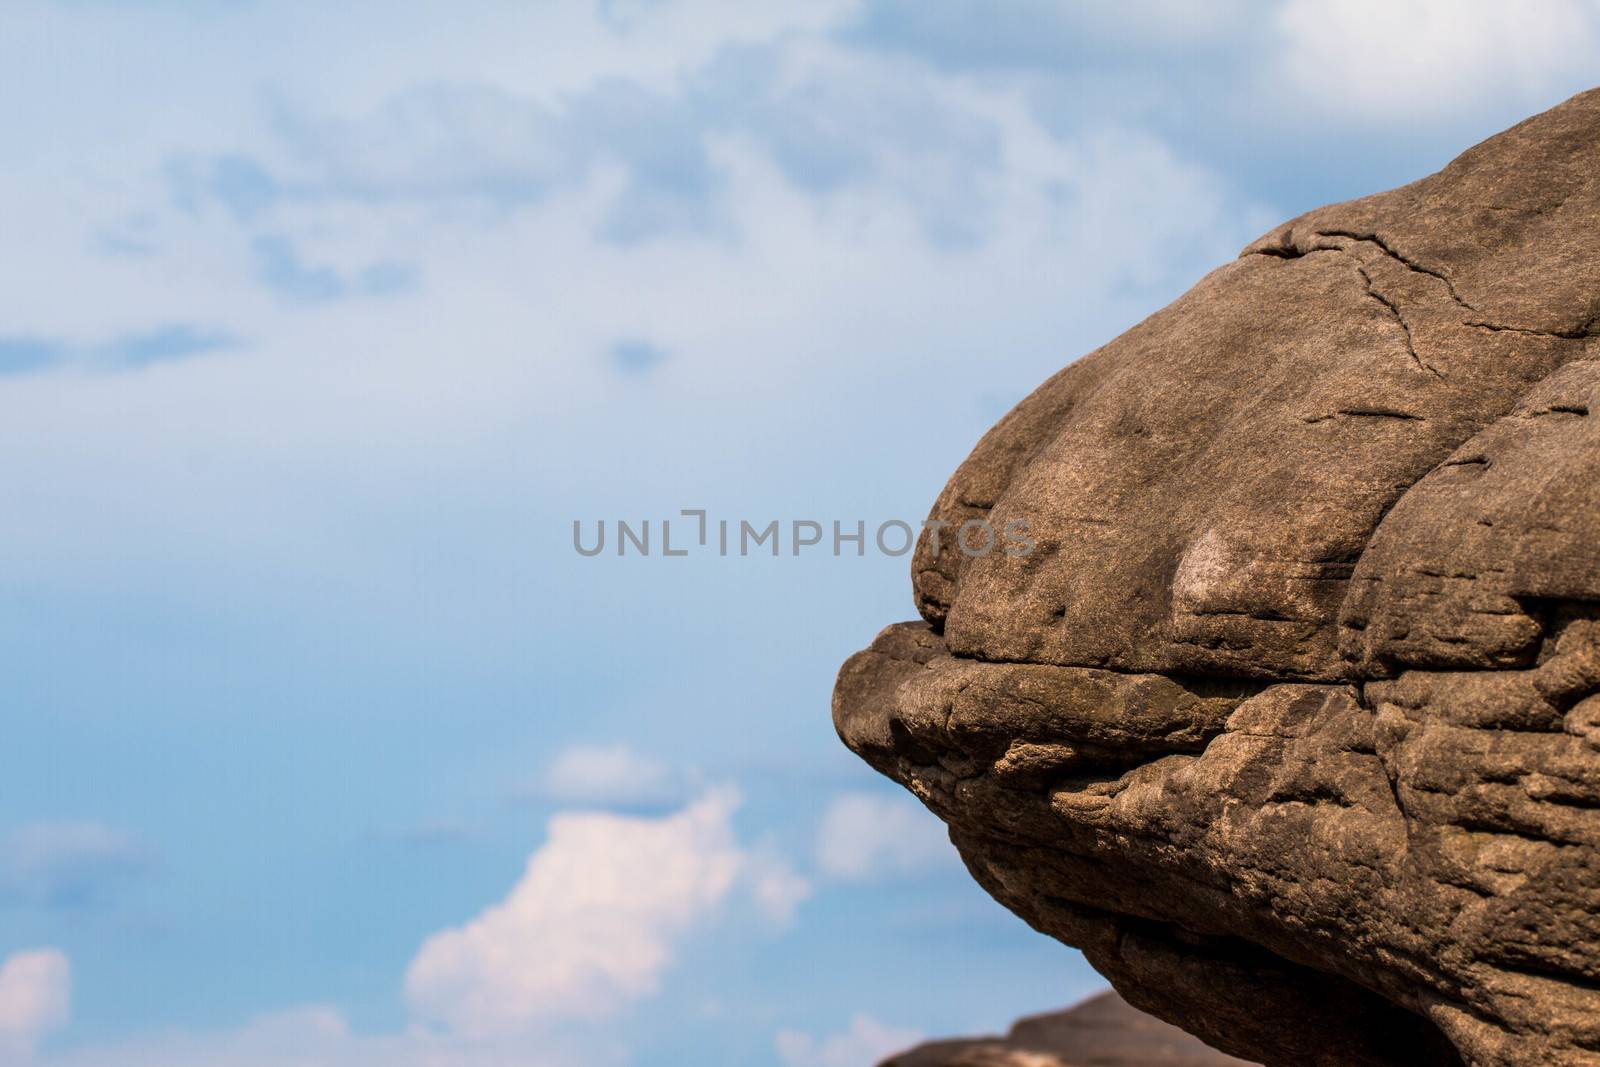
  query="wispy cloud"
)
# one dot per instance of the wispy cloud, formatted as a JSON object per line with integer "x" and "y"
{"x": 1040, "y": 36}
{"x": 867, "y": 837}
{"x": 615, "y": 777}
{"x": 25, "y": 355}
{"x": 280, "y": 268}
{"x": 826, "y": 120}
{"x": 240, "y": 183}
{"x": 68, "y": 864}
{"x": 169, "y": 343}
{"x": 164, "y": 344}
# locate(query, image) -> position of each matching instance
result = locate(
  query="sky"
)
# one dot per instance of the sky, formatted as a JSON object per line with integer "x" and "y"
{"x": 323, "y": 325}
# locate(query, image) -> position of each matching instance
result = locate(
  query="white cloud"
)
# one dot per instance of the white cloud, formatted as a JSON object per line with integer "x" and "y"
{"x": 499, "y": 352}
{"x": 592, "y": 925}
{"x": 865, "y": 1042}
{"x": 67, "y": 863}
{"x": 1398, "y": 60}
{"x": 864, "y": 837}
{"x": 35, "y": 999}
{"x": 610, "y": 776}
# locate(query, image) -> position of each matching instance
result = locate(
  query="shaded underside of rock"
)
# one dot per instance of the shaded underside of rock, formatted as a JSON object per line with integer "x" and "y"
{"x": 1104, "y": 1031}
{"x": 1291, "y": 720}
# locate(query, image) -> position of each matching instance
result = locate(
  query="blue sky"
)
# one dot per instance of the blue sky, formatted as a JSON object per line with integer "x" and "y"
{"x": 323, "y": 324}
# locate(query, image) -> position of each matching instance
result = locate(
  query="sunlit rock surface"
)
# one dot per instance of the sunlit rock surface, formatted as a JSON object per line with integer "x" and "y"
{"x": 1291, "y": 720}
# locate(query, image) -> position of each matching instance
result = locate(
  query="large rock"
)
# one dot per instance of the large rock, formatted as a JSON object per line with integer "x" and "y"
{"x": 1104, "y": 1031}
{"x": 1291, "y": 720}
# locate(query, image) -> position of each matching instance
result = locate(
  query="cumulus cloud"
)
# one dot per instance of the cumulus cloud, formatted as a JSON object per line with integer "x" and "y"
{"x": 68, "y": 864}
{"x": 865, "y": 1041}
{"x": 593, "y": 924}
{"x": 35, "y": 1000}
{"x": 1412, "y": 59}
{"x": 592, "y": 927}
{"x": 864, "y": 837}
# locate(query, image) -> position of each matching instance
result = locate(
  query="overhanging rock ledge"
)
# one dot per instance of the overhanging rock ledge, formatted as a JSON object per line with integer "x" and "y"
{"x": 1291, "y": 720}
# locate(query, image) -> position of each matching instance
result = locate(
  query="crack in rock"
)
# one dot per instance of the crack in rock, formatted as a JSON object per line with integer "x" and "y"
{"x": 1399, "y": 317}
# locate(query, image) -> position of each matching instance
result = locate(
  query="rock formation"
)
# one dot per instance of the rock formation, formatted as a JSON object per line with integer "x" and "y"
{"x": 1104, "y": 1031}
{"x": 1291, "y": 720}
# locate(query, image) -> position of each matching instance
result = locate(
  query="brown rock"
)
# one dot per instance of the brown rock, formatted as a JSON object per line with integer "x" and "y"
{"x": 1291, "y": 720}
{"x": 1104, "y": 1031}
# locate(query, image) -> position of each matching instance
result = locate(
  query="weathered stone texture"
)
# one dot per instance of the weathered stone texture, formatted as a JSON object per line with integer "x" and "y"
{"x": 1292, "y": 719}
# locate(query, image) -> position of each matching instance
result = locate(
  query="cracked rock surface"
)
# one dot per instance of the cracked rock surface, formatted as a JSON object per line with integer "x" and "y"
{"x": 1104, "y": 1031}
{"x": 1291, "y": 719}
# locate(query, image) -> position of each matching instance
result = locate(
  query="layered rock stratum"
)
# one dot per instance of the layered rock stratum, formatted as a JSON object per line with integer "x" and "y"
{"x": 1104, "y": 1031}
{"x": 1291, "y": 720}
